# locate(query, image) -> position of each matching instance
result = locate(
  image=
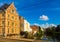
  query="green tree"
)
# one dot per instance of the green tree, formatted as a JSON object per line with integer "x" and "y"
{"x": 24, "y": 34}
{"x": 58, "y": 33}
{"x": 51, "y": 33}
{"x": 39, "y": 33}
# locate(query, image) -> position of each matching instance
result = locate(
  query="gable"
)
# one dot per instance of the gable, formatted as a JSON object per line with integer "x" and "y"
{"x": 11, "y": 8}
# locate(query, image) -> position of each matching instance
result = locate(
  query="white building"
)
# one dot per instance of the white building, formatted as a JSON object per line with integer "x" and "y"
{"x": 27, "y": 26}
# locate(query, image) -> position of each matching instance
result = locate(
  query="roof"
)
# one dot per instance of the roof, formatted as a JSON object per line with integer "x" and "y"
{"x": 5, "y": 6}
{"x": 34, "y": 27}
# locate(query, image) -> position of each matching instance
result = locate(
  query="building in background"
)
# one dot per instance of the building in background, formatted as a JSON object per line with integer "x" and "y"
{"x": 21, "y": 19}
{"x": 27, "y": 26}
{"x": 9, "y": 20}
{"x": 34, "y": 29}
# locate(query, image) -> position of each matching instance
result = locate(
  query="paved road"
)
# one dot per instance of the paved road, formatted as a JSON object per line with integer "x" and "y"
{"x": 9, "y": 40}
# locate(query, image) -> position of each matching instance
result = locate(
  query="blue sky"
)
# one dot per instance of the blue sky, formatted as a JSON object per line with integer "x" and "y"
{"x": 38, "y": 11}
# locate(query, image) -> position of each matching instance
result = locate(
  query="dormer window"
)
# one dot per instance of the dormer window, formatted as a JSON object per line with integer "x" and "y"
{"x": 12, "y": 11}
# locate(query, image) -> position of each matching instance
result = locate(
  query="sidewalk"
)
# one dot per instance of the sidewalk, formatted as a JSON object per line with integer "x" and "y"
{"x": 22, "y": 39}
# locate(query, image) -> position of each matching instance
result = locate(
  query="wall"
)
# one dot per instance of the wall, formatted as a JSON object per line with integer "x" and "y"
{"x": 27, "y": 26}
{"x": 13, "y": 18}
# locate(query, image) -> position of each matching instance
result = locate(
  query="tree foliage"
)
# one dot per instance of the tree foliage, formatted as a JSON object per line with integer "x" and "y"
{"x": 53, "y": 32}
{"x": 50, "y": 32}
{"x": 39, "y": 33}
{"x": 58, "y": 32}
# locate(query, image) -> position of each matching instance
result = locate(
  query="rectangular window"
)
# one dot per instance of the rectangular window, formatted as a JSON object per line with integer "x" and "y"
{"x": 12, "y": 23}
{"x": 3, "y": 31}
{"x": 12, "y": 30}
{"x": 12, "y": 17}
{"x": 8, "y": 23}
{"x": 8, "y": 30}
{"x": 2, "y": 23}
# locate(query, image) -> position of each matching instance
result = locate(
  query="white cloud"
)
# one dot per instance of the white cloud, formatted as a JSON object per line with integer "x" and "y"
{"x": 52, "y": 25}
{"x": 44, "y": 17}
{"x": 36, "y": 24}
{"x": 46, "y": 25}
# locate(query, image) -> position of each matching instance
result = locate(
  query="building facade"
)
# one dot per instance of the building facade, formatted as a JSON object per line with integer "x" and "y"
{"x": 21, "y": 19}
{"x": 9, "y": 20}
{"x": 11, "y": 24}
{"x": 34, "y": 29}
{"x": 27, "y": 26}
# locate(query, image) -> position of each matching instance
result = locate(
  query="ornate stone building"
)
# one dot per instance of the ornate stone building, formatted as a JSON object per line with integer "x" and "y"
{"x": 9, "y": 20}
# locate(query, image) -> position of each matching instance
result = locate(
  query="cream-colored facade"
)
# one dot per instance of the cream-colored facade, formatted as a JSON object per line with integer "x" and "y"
{"x": 9, "y": 21}
{"x": 27, "y": 26}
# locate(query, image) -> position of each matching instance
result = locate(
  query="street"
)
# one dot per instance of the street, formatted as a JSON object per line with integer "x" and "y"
{"x": 10, "y": 40}
{"x": 13, "y": 40}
